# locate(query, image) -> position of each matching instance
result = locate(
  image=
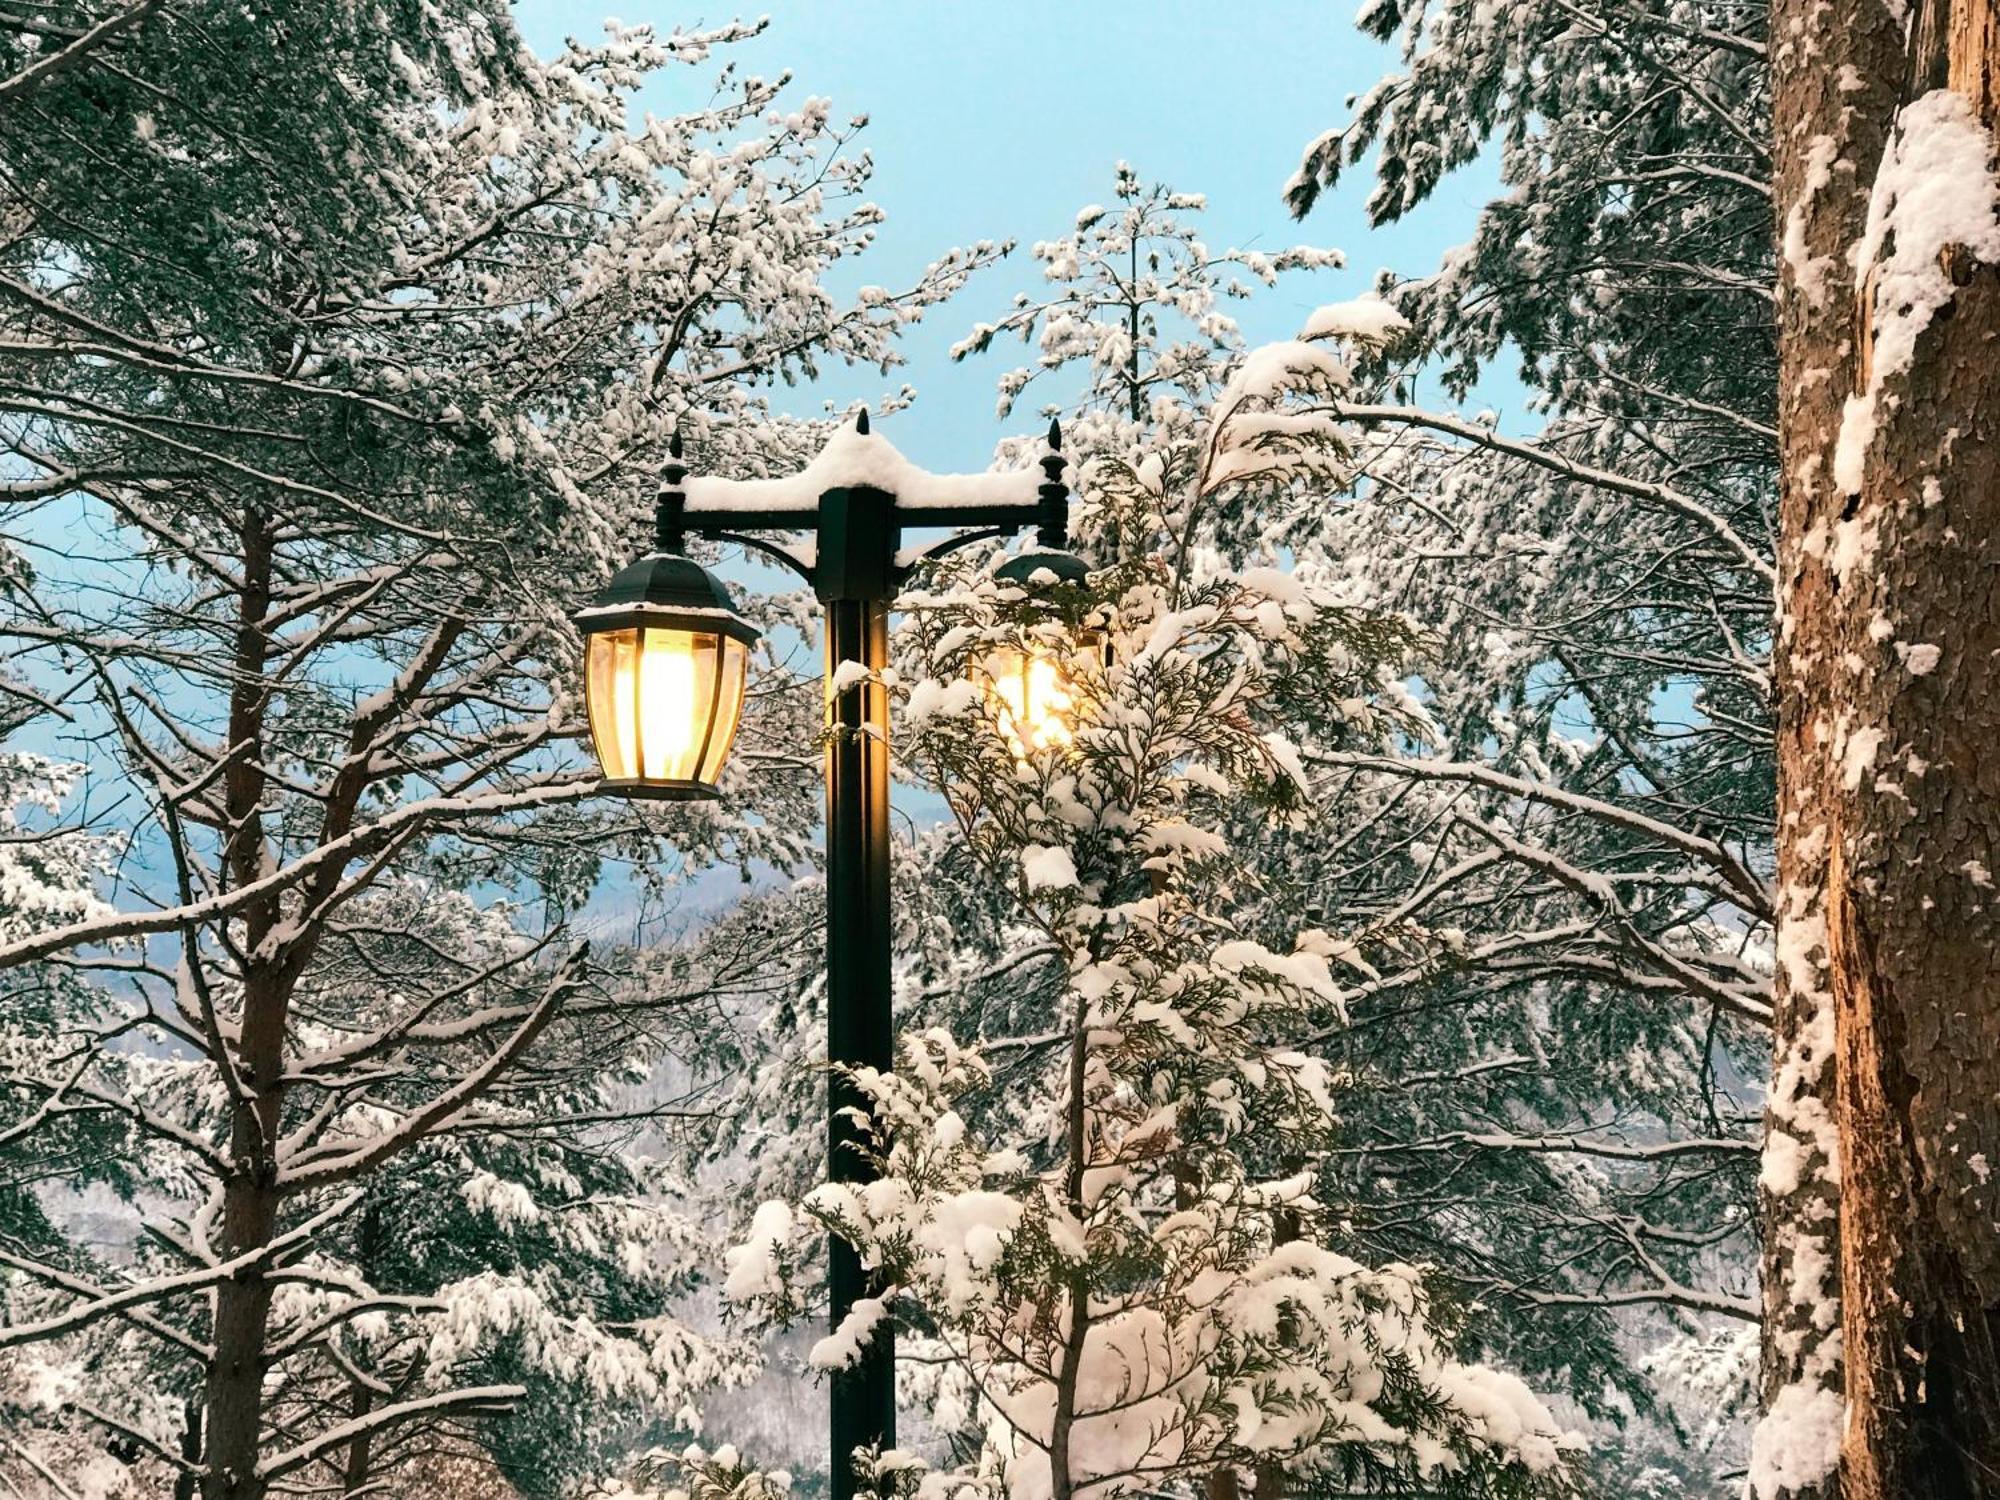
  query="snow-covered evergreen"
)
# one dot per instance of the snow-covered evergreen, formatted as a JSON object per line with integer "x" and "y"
{"x": 1558, "y": 1041}
{"x": 355, "y": 379}
{"x": 1591, "y": 845}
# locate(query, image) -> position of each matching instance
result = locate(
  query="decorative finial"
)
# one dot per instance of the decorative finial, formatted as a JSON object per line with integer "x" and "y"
{"x": 861, "y": 422}
{"x": 1053, "y": 527}
{"x": 669, "y": 536}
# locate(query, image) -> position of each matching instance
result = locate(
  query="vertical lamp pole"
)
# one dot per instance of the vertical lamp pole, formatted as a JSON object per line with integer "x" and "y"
{"x": 854, "y": 578}
{"x": 857, "y": 567}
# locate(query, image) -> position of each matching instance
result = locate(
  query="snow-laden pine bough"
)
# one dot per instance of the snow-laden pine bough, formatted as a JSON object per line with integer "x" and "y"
{"x": 328, "y": 384}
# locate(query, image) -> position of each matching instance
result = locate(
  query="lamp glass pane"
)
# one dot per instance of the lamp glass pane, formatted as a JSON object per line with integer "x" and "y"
{"x": 728, "y": 710}
{"x": 676, "y": 698}
{"x": 1031, "y": 699}
{"x": 611, "y": 681}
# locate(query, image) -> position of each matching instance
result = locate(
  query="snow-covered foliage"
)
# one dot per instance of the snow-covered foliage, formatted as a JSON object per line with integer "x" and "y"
{"x": 1107, "y": 1232}
{"x": 50, "y": 871}
{"x": 1103, "y": 1223}
{"x": 1558, "y": 1014}
{"x": 1563, "y": 892}
{"x": 1136, "y": 298}
{"x": 1586, "y": 859}
{"x": 342, "y": 354}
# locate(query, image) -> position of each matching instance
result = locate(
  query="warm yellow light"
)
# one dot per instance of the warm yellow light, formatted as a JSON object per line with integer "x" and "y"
{"x": 664, "y": 705}
{"x": 1032, "y": 700}
{"x": 667, "y": 707}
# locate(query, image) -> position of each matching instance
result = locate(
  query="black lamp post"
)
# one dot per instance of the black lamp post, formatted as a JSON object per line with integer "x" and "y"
{"x": 665, "y": 661}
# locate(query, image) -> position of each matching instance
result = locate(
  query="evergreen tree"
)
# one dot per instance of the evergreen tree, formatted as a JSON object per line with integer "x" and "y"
{"x": 1494, "y": 1124}
{"x": 1593, "y": 840}
{"x": 1105, "y": 1208}
{"x": 353, "y": 379}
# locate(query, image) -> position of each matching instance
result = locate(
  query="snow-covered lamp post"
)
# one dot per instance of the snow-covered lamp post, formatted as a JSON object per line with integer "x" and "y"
{"x": 665, "y": 658}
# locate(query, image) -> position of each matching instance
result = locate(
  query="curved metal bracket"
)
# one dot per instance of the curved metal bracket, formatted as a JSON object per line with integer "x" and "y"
{"x": 907, "y": 561}
{"x": 776, "y": 551}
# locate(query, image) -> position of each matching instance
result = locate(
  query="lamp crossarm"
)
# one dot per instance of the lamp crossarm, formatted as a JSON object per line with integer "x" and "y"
{"x": 707, "y": 519}
{"x": 834, "y": 514}
{"x": 725, "y": 526}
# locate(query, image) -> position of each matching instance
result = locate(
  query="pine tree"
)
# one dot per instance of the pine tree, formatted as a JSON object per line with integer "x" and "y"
{"x": 353, "y": 380}
{"x": 1594, "y": 844}
{"x": 1520, "y": 1109}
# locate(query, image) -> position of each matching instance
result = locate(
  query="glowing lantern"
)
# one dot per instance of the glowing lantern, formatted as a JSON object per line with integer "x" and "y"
{"x": 1031, "y": 687}
{"x": 665, "y": 659}
{"x": 1031, "y": 700}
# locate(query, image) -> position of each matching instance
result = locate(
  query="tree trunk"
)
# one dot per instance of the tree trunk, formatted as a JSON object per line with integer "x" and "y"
{"x": 359, "y": 1470}
{"x": 1136, "y": 388}
{"x": 235, "y": 1396}
{"x": 354, "y": 1474}
{"x": 242, "y": 1318}
{"x": 1889, "y": 779}
{"x": 1221, "y": 1482}
{"x": 1063, "y": 1482}
{"x": 187, "y": 1479}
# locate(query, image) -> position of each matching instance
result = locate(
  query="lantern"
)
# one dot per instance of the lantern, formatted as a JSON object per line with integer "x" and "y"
{"x": 665, "y": 659}
{"x": 1031, "y": 686}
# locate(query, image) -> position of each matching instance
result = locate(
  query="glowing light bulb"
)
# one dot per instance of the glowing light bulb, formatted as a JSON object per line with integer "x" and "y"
{"x": 667, "y": 705}
{"x": 1034, "y": 701}
{"x": 665, "y": 663}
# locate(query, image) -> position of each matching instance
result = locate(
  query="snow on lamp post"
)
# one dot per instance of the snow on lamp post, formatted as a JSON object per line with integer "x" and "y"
{"x": 665, "y": 658}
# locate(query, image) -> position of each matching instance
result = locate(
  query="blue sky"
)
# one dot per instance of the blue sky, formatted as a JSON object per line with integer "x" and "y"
{"x": 1000, "y": 119}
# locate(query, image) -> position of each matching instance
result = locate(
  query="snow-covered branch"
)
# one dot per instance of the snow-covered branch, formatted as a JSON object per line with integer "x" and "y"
{"x": 326, "y": 1165}
{"x": 1754, "y": 893}
{"x": 471, "y": 1401}
{"x": 1542, "y": 456}
{"x": 163, "y": 1288}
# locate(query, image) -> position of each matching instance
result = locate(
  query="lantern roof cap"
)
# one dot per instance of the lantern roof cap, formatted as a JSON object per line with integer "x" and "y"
{"x": 667, "y": 591}
{"x": 1066, "y": 567}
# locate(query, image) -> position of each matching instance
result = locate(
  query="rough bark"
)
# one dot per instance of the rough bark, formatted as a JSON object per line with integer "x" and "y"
{"x": 354, "y": 1474}
{"x": 235, "y": 1395}
{"x": 358, "y": 1473}
{"x": 1889, "y": 789}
